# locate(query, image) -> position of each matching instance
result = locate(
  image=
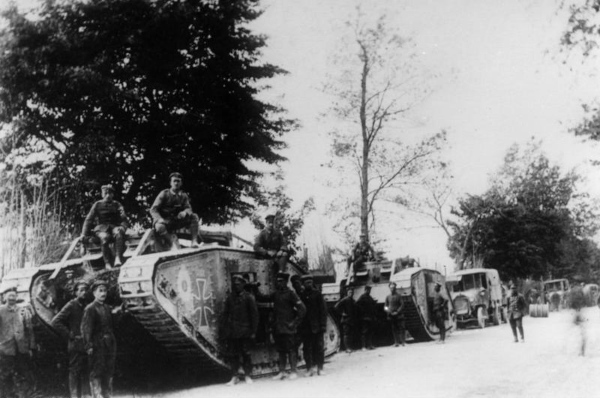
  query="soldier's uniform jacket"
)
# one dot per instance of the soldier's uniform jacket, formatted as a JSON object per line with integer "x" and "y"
{"x": 266, "y": 240}
{"x": 168, "y": 204}
{"x": 16, "y": 331}
{"x": 241, "y": 315}
{"x": 315, "y": 320}
{"x": 97, "y": 327}
{"x": 108, "y": 214}
{"x": 516, "y": 306}
{"x": 289, "y": 311}
{"x": 346, "y": 307}
{"x": 395, "y": 305}
{"x": 68, "y": 323}
{"x": 363, "y": 250}
{"x": 439, "y": 302}
{"x": 366, "y": 307}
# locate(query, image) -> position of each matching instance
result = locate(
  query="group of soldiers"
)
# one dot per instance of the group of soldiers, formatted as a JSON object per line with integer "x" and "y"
{"x": 170, "y": 211}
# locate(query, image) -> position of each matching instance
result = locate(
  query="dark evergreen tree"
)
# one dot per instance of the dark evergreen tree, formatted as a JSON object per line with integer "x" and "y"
{"x": 128, "y": 91}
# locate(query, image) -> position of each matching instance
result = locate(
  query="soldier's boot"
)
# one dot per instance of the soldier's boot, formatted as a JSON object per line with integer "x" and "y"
{"x": 293, "y": 362}
{"x": 282, "y": 361}
{"x": 234, "y": 380}
{"x": 96, "y": 388}
{"x": 120, "y": 248}
{"x": 107, "y": 255}
{"x": 363, "y": 339}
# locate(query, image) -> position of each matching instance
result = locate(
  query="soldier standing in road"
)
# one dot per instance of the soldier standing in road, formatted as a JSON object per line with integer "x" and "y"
{"x": 289, "y": 311}
{"x": 394, "y": 306}
{"x": 17, "y": 344}
{"x": 99, "y": 341}
{"x": 68, "y": 323}
{"x": 112, "y": 223}
{"x": 271, "y": 244}
{"x": 439, "y": 311}
{"x": 241, "y": 317}
{"x": 172, "y": 210}
{"x": 346, "y": 307}
{"x": 367, "y": 309}
{"x": 516, "y": 305}
{"x": 313, "y": 327}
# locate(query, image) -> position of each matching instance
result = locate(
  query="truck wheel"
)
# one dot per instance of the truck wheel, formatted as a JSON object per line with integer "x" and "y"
{"x": 480, "y": 317}
{"x": 496, "y": 318}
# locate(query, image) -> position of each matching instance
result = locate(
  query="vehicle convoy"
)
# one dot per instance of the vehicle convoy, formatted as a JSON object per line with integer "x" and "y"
{"x": 415, "y": 285}
{"x": 478, "y": 297}
{"x": 556, "y": 292}
{"x": 176, "y": 298}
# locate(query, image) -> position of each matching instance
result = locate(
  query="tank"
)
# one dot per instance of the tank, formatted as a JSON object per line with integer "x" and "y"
{"x": 175, "y": 298}
{"x": 415, "y": 285}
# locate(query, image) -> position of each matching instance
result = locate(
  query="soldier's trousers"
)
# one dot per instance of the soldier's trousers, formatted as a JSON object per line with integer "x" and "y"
{"x": 439, "y": 317}
{"x": 313, "y": 347}
{"x": 347, "y": 330}
{"x": 517, "y": 323}
{"x": 240, "y": 349}
{"x": 102, "y": 367}
{"x": 14, "y": 375}
{"x": 398, "y": 329}
{"x": 366, "y": 333}
{"x": 77, "y": 373}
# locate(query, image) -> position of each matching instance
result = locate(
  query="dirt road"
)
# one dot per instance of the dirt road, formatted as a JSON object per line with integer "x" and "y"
{"x": 472, "y": 363}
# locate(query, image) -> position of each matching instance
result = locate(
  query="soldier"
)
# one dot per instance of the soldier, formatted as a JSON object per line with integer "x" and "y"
{"x": 241, "y": 317}
{"x": 439, "y": 311}
{"x": 313, "y": 327}
{"x": 366, "y": 308}
{"x": 68, "y": 323}
{"x": 516, "y": 305}
{"x": 361, "y": 253}
{"x": 346, "y": 307}
{"x": 172, "y": 210}
{"x": 17, "y": 344}
{"x": 111, "y": 225}
{"x": 394, "y": 306}
{"x": 289, "y": 311}
{"x": 99, "y": 341}
{"x": 271, "y": 244}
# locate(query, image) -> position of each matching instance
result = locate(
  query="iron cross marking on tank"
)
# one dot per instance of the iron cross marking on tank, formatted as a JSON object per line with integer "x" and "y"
{"x": 200, "y": 301}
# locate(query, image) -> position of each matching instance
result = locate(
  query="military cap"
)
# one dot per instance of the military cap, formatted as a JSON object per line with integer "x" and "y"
{"x": 283, "y": 276}
{"x": 108, "y": 187}
{"x": 368, "y": 286}
{"x": 239, "y": 278}
{"x": 9, "y": 289}
{"x": 99, "y": 283}
{"x": 349, "y": 287}
{"x": 392, "y": 283}
{"x": 295, "y": 277}
{"x": 175, "y": 174}
{"x": 270, "y": 217}
{"x": 82, "y": 282}
{"x": 307, "y": 277}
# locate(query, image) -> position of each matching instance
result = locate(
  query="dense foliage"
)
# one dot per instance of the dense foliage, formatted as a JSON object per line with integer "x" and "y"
{"x": 531, "y": 223}
{"x": 128, "y": 91}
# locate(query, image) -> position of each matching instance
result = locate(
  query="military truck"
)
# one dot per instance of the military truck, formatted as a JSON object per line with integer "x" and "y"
{"x": 556, "y": 292}
{"x": 175, "y": 297}
{"x": 478, "y": 297}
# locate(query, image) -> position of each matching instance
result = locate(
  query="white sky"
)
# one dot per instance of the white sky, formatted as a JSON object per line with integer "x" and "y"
{"x": 502, "y": 80}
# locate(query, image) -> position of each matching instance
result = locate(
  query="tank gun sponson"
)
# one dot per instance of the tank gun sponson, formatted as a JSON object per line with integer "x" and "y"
{"x": 179, "y": 297}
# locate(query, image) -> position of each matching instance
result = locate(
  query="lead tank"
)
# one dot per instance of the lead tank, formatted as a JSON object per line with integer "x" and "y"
{"x": 176, "y": 296}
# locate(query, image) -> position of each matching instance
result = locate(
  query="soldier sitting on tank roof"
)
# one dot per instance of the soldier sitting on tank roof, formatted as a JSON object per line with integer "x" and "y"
{"x": 270, "y": 243}
{"x": 172, "y": 210}
{"x": 361, "y": 253}
{"x": 111, "y": 225}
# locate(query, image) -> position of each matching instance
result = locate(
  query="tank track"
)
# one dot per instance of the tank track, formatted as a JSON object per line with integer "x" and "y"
{"x": 415, "y": 324}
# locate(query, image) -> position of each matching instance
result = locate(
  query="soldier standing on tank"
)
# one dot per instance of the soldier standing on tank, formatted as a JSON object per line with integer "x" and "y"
{"x": 17, "y": 344}
{"x": 313, "y": 327}
{"x": 111, "y": 224}
{"x": 172, "y": 210}
{"x": 394, "y": 307}
{"x": 361, "y": 253}
{"x": 241, "y": 317}
{"x": 367, "y": 309}
{"x": 68, "y": 323}
{"x": 289, "y": 311}
{"x": 516, "y": 305}
{"x": 270, "y": 243}
{"x": 99, "y": 341}
{"x": 439, "y": 311}
{"x": 346, "y": 307}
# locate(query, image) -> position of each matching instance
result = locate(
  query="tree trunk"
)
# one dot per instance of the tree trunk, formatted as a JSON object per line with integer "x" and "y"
{"x": 23, "y": 232}
{"x": 364, "y": 194}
